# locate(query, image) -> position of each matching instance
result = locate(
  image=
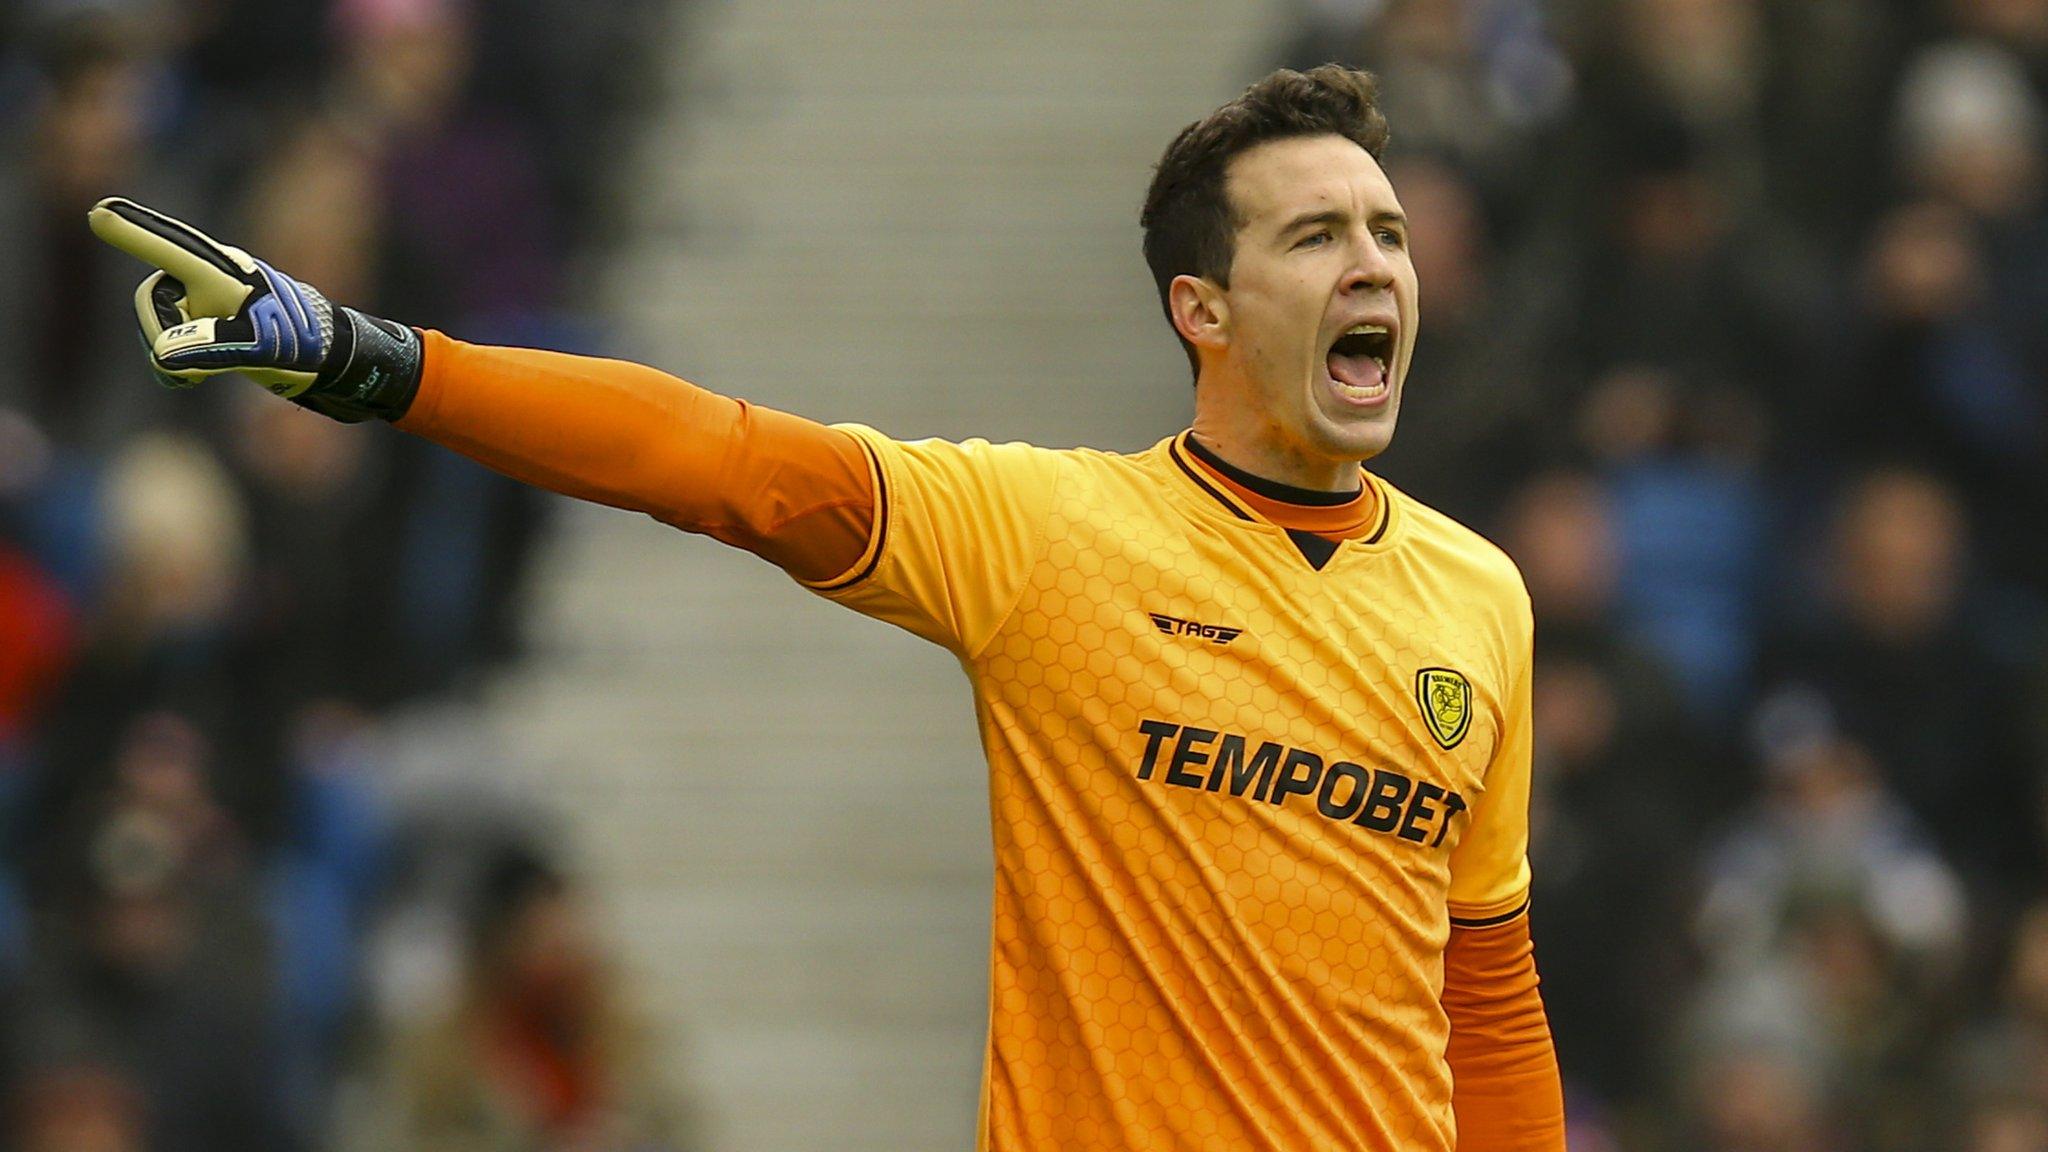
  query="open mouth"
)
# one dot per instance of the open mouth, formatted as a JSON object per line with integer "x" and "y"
{"x": 1359, "y": 359}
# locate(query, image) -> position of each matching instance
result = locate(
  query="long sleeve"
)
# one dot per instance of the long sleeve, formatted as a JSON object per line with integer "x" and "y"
{"x": 794, "y": 492}
{"x": 1506, "y": 1090}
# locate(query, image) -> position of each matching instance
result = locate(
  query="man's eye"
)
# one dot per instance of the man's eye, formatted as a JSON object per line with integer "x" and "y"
{"x": 1391, "y": 237}
{"x": 1313, "y": 240}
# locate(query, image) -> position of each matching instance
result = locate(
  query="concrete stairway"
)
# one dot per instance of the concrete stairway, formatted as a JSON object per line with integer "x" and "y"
{"x": 922, "y": 216}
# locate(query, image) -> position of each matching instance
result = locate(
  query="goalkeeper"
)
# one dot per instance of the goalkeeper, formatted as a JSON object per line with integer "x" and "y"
{"x": 1257, "y": 723}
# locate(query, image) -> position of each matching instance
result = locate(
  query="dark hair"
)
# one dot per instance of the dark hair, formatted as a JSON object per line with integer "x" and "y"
{"x": 1190, "y": 224}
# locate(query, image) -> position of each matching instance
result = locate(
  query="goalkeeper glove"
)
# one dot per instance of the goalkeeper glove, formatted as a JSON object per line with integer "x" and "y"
{"x": 213, "y": 308}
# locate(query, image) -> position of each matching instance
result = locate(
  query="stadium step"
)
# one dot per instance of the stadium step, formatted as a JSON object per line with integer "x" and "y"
{"x": 921, "y": 216}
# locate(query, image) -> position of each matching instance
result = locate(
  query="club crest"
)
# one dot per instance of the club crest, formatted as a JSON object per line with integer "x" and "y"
{"x": 1446, "y": 700}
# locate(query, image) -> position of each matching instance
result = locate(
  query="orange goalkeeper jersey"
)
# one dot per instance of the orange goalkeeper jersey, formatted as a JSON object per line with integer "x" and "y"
{"x": 1237, "y": 795}
{"x": 1238, "y": 799}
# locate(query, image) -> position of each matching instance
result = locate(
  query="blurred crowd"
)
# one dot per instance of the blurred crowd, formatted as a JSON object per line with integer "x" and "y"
{"x": 1735, "y": 335}
{"x": 221, "y": 926}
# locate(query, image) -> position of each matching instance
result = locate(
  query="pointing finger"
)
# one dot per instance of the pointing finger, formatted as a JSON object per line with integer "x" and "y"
{"x": 215, "y": 275}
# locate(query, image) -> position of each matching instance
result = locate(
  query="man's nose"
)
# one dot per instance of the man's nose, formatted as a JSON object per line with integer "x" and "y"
{"x": 1371, "y": 271}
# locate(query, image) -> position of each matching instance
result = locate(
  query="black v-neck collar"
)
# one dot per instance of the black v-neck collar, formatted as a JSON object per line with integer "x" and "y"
{"x": 1315, "y": 549}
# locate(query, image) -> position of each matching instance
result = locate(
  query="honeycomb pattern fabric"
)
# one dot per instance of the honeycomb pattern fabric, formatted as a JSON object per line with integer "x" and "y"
{"x": 1237, "y": 801}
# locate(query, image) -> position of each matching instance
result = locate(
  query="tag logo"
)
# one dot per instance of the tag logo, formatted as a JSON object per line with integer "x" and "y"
{"x": 1446, "y": 700}
{"x": 1175, "y": 626}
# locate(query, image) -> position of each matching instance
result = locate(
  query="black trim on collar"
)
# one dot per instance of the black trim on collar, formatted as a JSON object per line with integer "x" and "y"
{"x": 1195, "y": 474}
{"x": 1386, "y": 515}
{"x": 1271, "y": 489}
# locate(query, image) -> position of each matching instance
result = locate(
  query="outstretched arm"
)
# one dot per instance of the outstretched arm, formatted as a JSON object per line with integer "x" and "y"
{"x": 790, "y": 490}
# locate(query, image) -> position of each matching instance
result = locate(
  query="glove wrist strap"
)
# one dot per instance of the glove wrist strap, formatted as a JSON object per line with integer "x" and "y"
{"x": 373, "y": 370}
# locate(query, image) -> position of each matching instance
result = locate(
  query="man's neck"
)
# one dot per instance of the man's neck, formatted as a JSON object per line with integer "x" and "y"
{"x": 1275, "y": 490}
{"x": 1318, "y": 478}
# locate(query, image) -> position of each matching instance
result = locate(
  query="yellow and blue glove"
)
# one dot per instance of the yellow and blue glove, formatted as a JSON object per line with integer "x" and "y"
{"x": 213, "y": 308}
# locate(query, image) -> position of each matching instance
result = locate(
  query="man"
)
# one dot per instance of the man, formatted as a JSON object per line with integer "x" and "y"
{"x": 1257, "y": 723}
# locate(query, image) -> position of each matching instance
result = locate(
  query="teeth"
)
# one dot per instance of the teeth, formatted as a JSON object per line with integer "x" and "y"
{"x": 1366, "y": 330}
{"x": 1364, "y": 391}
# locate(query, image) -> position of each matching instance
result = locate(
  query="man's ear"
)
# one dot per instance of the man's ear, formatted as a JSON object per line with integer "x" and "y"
{"x": 1200, "y": 313}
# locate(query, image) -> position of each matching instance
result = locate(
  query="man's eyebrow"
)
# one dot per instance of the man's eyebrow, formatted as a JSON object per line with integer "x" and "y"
{"x": 1326, "y": 216}
{"x": 1339, "y": 216}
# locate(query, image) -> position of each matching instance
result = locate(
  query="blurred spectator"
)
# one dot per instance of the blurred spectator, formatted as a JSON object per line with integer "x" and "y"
{"x": 1699, "y": 332}
{"x": 1953, "y": 369}
{"x": 1691, "y": 526}
{"x": 163, "y": 627}
{"x": 538, "y": 1052}
{"x": 66, "y": 320}
{"x": 467, "y": 231}
{"x": 324, "y": 882}
{"x": 242, "y": 52}
{"x": 2006, "y": 1126}
{"x": 1614, "y": 809}
{"x": 2000, "y": 1065}
{"x": 158, "y": 966}
{"x": 1664, "y": 74}
{"x": 2018, "y": 26}
{"x": 1826, "y": 826}
{"x": 320, "y": 591}
{"x": 465, "y": 239}
{"x": 1830, "y": 63}
{"x": 1759, "y": 1097}
{"x": 79, "y": 1108}
{"x": 315, "y": 206}
{"x": 1472, "y": 81}
{"x": 1894, "y": 649}
{"x": 1829, "y": 926}
{"x": 209, "y": 603}
{"x": 1326, "y": 30}
{"x": 1941, "y": 379}
{"x": 1682, "y": 274}
{"x": 1971, "y": 129}
{"x": 36, "y": 638}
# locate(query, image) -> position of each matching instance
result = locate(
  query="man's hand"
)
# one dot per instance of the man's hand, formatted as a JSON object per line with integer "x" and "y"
{"x": 213, "y": 308}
